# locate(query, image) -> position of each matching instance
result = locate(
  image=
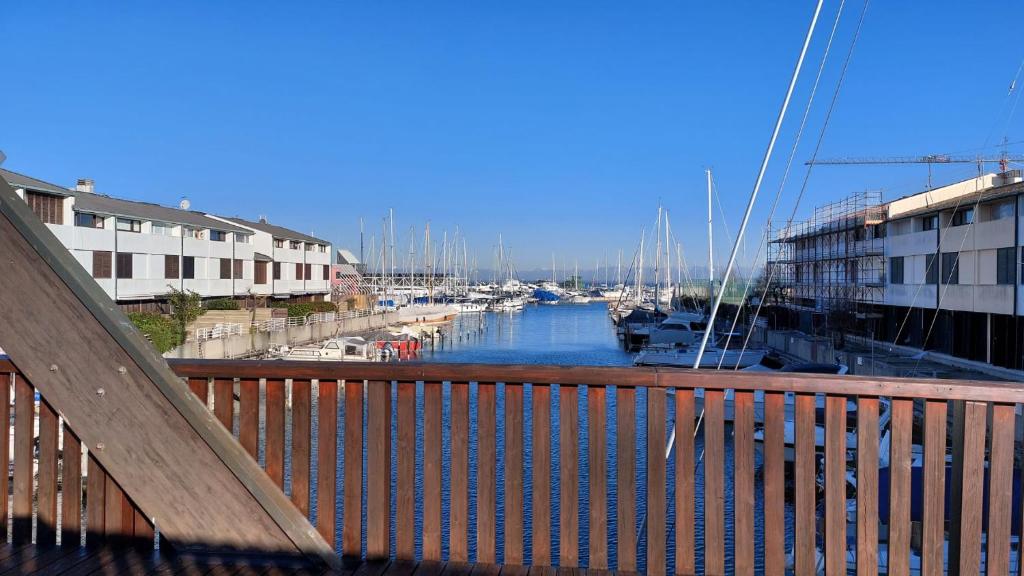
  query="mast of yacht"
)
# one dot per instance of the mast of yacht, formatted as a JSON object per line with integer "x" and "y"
{"x": 576, "y": 275}
{"x": 553, "y": 269}
{"x": 711, "y": 248}
{"x": 668, "y": 261}
{"x": 657, "y": 260}
{"x": 640, "y": 270}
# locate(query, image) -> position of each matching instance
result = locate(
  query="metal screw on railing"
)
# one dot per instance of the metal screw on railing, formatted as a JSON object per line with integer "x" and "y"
{"x": 101, "y": 392}
{"x": 122, "y": 370}
{"x": 53, "y": 368}
{"x": 100, "y": 446}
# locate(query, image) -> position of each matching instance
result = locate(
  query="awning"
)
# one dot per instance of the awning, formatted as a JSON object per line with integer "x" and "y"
{"x": 261, "y": 257}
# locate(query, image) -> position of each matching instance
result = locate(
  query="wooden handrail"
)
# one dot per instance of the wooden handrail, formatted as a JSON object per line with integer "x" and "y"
{"x": 637, "y": 377}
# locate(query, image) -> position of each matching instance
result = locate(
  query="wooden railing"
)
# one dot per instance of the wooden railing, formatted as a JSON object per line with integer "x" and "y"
{"x": 50, "y": 495}
{"x": 983, "y": 446}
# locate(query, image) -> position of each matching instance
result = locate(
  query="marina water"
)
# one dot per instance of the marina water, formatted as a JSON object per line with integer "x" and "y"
{"x": 566, "y": 335}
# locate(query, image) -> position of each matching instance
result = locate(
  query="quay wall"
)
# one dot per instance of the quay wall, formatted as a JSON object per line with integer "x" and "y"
{"x": 256, "y": 343}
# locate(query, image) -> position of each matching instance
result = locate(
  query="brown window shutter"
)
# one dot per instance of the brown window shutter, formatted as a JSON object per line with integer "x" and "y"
{"x": 171, "y": 266}
{"x": 277, "y": 270}
{"x": 327, "y": 272}
{"x": 225, "y": 268}
{"x": 124, "y": 265}
{"x": 101, "y": 264}
{"x": 298, "y": 271}
{"x": 238, "y": 268}
{"x": 260, "y": 273}
{"x": 309, "y": 272}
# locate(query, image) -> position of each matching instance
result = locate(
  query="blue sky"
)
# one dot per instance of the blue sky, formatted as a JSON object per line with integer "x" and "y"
{"x": 558, "y": 124}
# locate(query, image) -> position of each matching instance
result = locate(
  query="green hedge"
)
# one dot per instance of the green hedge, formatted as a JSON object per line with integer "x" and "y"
{"x": 305, "y": 308}
{"x": 222, "y": 304}
{"x": 162, "y": 331}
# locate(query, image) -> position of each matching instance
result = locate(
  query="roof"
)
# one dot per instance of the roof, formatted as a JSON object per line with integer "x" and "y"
{"x": 260, "y": 257}
{"x": 347, "y": 257}
{"x": 21, "y": 181}
{"x": 967, "y": 200}
{"x": 107, "y": 206}
{"x": 276, "y": 231}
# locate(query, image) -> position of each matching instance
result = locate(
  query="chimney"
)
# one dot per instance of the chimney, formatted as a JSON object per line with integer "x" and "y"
{"x": 263, "y": 219}
{"x": 85, "y": 185}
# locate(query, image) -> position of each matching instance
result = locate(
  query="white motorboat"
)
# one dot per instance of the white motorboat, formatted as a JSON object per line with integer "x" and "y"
{"x": 714, "y": 357}
{"x": 344, "y": 349}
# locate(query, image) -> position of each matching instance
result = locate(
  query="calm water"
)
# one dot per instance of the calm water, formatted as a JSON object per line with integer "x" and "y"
{"x": 562, "y": 334}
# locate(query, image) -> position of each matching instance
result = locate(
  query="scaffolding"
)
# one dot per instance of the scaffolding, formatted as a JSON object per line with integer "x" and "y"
{"x": 834, "y": 260}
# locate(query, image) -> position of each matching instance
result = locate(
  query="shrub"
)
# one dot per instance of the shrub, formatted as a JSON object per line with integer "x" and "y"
{"x": 160, "y": 330}
{"x": 303, "y": 309}
{"x": 222, "y": 304}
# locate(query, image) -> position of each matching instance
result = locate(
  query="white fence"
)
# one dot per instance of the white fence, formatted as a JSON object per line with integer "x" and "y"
{"x": 277, "y": 324}
{"x": 218, "y": 331}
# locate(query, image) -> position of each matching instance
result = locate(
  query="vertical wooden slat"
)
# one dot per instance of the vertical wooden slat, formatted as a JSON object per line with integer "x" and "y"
{"x": 405, "y": 493}
{"x": 458, "y": 539}
{"x": 486, "y": 481}
{"x": 774, "y": 483}
{"x": 835, "y": 485}
{"x": 867, "y": 486}
{"x": 973, "y": 482}
{"x": 6, "y": 383}
{"x": 378, "y": 469}
{"x": 115, "y": 529}
{"x": 71, "y": 491}
{"x": 899, "y": 486}
{"x": 327, "y": 459}
{"x": 302, "y": 440}
{"x": 541, "y": 528}
{"x": 805, "y": 545}
{"x": 597, "y": 450}
{"x": 224, "y": 401}
{"x": 933, "y": 519}
{"x": 144, "y": 532}
{"x": 656, "y": 501}
{"x": 46, "y": 523}
{"x": 432, "y": 400}
{"x": 351, "y": 533}
{"x": 1000, "y": 492}
{"x": 200, "y": 387}
{"x": 24, "y": 437}
{"x": 569, "y": 487}
{"x": 685, "y": 484}
{"x": 514, "y": 474}
{"x": 249, "y": 415}
{"x": 274, "y": 449}
{"x": 743, "y": 483}
{"x": 714, "y": 492}
{"x": 96, "y": 508}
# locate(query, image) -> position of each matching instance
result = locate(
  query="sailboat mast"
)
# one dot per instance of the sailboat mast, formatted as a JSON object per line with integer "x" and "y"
{"x": 711, "y": 247}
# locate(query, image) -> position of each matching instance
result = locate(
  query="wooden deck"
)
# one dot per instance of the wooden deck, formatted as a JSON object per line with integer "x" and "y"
{"x": 58, "y": 561}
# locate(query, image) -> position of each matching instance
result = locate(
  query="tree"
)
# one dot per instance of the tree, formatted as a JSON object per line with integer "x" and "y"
{"x": 186, "y": 306}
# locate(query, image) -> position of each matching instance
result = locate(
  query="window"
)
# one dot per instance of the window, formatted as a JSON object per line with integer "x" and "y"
{"x": 197, "y": 233}
{"x": 309, "y": 247}
{"x": 1005, "y": 269}
{"x": 48, "y": 207}
{"x": 309, "y": 272}
{"x": 929, "y": 223}
{"x": 323, "y": 248}
{"x": 278, "y": 243}
{"x": 879, "y": 230}
{"x": 238, "y": 268}
{"x": 298, "y": 271}
{"x": 83, "y": 220}
{"x": 951, "y": 268}
{"x": 337, "y": 275}
{"x": 124, "y": 264}
{"x": 327, "y": 272}
{"x": 242, "y": 238}
{"x": 225, "y": 268}
{"x": 294, "y": 245}
{"x": 101, "y": 264}
{"x": 171, "y": 262}
{"x": 260, "y": 269}
{"x": 161, "y": 229}
{"x": 963, "y": 216}
{"x": 128, "y": 225}
{"x": 931, "y": 274}
{"x": 218, "y": 235}
{"x": 277, "y": 270}
{"x": 896, "y": 270}
{"x": 188, "y": 267}
{"x": 1002, "y": 210}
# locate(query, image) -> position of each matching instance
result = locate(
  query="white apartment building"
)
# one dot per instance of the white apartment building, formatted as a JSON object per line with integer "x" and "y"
{"x": 288, "y": 264}
{"x": 953, "y": 255}
{"x": 136, "y": 251}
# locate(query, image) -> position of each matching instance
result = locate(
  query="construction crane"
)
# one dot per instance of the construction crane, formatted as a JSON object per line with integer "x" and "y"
{"x": 1003, "y": 161}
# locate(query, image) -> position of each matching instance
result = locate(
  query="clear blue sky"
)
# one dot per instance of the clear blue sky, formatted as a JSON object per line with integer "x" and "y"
{"x": 558, "y": 124}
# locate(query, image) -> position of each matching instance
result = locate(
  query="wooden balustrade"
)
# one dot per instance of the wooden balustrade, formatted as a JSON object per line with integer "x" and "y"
{"x": 51, "y": 496}
{"x": 332, "y": 411}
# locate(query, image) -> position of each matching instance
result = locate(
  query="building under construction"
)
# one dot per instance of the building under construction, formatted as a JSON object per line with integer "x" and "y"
{"x": 834, "y": 261}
